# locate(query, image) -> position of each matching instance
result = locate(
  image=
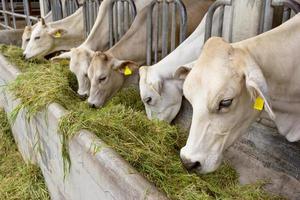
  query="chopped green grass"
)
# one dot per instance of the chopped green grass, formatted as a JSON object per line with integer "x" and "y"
{"x": 152, "y": 147}
{"x": 18, "y": 181}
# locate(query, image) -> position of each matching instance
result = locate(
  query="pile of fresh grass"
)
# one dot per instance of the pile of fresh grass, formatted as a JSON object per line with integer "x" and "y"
{"x": 152, "y": 147}
{"x": 17, "y": 180}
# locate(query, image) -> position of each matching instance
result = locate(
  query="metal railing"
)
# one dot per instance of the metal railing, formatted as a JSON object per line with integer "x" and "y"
{"x": 209, "y": 17}
{"x": 71, "y": 6}
{"x": 121, "y": 15}
{"x": 163, "y": 15}
{"x": 267, "y": 17}
{"x": 90, "y": 12}
{"x": 9, "y": 14}
{"x": 57, "y": 9}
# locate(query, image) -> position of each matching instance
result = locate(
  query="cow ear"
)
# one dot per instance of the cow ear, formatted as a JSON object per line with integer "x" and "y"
{"x": 66, "y": 55}
{"x": 182, "y": 72}
{"x": 126, "y": 67}
{"x": 57, "y": 33}
{"x": 257, "y": 86}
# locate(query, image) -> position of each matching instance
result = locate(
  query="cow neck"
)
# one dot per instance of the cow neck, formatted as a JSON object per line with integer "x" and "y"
{"x": 131, "y": 80}
{"x": 98, "y": 39}
{"x": 275, "y": 53}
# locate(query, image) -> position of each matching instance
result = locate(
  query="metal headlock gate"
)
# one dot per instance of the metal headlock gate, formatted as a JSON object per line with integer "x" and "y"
{"x": 9, "y": 14}
{"x": 121, "y": 15}
{"x": 71, "y": 6}
{"x": 90, "y": 12}
{"x": 289, "y": 5}
{"x": 266, "y": 17}
{"x": 161, "y": 15}
{"x": 57, "y": 10}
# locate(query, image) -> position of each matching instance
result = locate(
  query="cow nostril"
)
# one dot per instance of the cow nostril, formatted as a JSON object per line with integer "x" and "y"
{"x": 92, "y": 105}
{"x": 190, "y": 165}
{"x": 24, "y": 55}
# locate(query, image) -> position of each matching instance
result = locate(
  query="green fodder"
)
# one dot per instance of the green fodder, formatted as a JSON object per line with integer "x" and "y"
{"x": 18, "y": 181}
{"x": 152, "y": 147}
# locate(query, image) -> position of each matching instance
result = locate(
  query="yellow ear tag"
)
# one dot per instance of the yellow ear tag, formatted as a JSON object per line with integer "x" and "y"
{"x": 127, "y": 71}
{"x": 258, "y": 104}
{"x": 57, "y": 34}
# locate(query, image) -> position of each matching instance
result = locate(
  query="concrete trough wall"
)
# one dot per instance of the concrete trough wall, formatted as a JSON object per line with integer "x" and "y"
{"x": 97, "y": 172}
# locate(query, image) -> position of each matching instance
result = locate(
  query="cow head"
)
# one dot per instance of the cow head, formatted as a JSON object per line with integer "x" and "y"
{"x": 222, "y": 88}
{"x": 107, "y": 75}
{"x": 80, "y": 59}
{"x": 42, "y": 40}
{"x": 26, "y": 36}
{"x": 162, "y": 97}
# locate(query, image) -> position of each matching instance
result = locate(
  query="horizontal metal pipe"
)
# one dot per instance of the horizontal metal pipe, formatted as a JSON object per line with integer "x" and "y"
{"x": 19, "y": 15}
{"x": 6, "y": 27}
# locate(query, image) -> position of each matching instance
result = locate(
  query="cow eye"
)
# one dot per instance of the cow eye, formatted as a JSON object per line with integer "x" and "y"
{"x": 101, "y": 79}
{"x": 147, "y": 100}
{"x": 225, "y": 103}
{"x": 27, "y": 40}
{"x": 37, "y": 38}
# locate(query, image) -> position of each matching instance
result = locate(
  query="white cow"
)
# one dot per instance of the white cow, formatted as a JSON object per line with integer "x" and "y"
{"x": 107, "y": 71}
{"x": 28, "y": 30}
{"x": 98, "y": 39}
{"x": 160, "y": 92}
{"x": 56, "y": 36}
{"x": 232, "y": 83}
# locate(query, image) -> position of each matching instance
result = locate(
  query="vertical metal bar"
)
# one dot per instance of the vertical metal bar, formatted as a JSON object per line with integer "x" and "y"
{"x": 173, "y": 26}
{"x": 115, "y": 19}
{"x": 221, "y": 17}
{"x": 26, "y": 11}
{"x": 4, "y": 3}
{"x": 156, "y": 30}
{"x": 126, "y": 16}
{"x": 91, "y": 17}
{"x": 149, "y": 35}
{"x": 85, "y": 18}
{"x": 286, "y": 14}
{"x": 165, "y": 25}
{"x": 121, "y": 17}
{"x": 13, "y": 11}
{"x": 268, "y": 16}
{"x": 111, "y": 24}
{"x": 183, "y": 21}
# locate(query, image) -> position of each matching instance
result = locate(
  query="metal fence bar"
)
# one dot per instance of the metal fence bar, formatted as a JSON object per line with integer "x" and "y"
{"x": 210, "y": 14}
{"x": 13, "y": 11}
{"x": 26, "y": 11}
{"x": 173, "y": 27}
{"x": 286, "y": 14}
{"x": 56, "y": 7}
{"x": 4, "y": 3}
{"x": 19, "y": 15}
{"x": 90, "y": 12}
{"x": 287, "y": 3}
{"x": 159, "y": 30}
{"x": 8, "y": 15}
{"x": 165, "y": 27}
{"x": 121, "y": 15}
